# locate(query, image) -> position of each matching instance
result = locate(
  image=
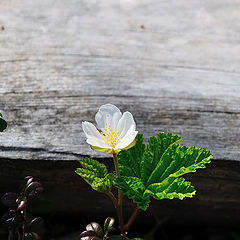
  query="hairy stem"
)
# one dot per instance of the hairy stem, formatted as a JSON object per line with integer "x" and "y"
{"x": 119, "y": 208}
{"x": 131, "y": 219}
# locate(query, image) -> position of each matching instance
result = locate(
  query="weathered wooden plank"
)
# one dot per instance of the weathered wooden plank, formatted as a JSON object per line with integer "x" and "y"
{"x": 59, "y": 61}
{"x": 49, "y": 121}
{"x": 60, "y": 64}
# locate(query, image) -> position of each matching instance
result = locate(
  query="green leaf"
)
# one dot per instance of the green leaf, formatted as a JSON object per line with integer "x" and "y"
{"x": 108, "y": 224}
{"x": 155, "y": 149}
{"x": 177, "y": 161}
{"x": 3, "y": 124}
{"x": 134, "y": 188}
{"x": 154, "y": 171}
{"x": 95, "y": 174}
{"x": 171, "y": 188}
{"x": 130, "y": 160}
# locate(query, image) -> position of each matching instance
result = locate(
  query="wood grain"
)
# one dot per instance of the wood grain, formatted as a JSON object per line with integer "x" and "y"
{"x": 60, "y": 60}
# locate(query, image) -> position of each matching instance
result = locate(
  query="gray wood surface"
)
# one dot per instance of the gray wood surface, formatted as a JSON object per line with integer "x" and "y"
{"x": 173, "y": 64}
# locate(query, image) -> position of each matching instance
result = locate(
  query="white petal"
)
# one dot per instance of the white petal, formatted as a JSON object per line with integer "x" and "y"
{"x": 97, "y": 143}
{"x": 125, "y": 123}
{"x": 115, "y": 119}
{"x": 90, "y": 130}
{"x": 109, "y": 114}
{"x": 127, "y": 139}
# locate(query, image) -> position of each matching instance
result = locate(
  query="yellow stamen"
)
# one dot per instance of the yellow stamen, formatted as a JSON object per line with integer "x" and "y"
{"x": 111, "y": 138}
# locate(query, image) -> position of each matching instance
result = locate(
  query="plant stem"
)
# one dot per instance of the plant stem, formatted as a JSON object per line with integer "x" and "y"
{"x": 114, "y": 200}
{"x": 116, "y": 164}
{"x": 23, "y": 233}
{"x": 24, "y": 223}
{"x": 119, "y": 208}
{"x": 131, "y": 219}
{"x": 11, "y": 235}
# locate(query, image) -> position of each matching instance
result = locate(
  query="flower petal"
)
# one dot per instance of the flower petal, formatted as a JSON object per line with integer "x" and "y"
{"x": 90, "y": 130}
{"x": 125, "y": 123}
{"x": 100, "y": 149}
{"x": 108, "y": 114}
{"x": 128, "y": 138}
{"x": 96, "y": 142}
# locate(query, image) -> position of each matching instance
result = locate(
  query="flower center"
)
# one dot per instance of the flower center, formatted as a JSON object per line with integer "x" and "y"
{"x": 111, "y": 138}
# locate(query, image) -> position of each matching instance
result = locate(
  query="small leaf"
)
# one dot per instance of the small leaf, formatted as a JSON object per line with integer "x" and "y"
{"x": 108, "y": 224}
{"x": 12, "y": 220}
{"x": 103, "y": 184}
{"x": 32, "y": 236}
{"x": 96, "y": 228}
{"x": 10, "y": 200}
{"x": 21, "y": 205}
{"x": 94, "y": 166}
{"x": 95, "y": 174}
{"x": 89, "y": 235}
{"x": 33, "y": 189}
{"x": 28, "y": 180}
{"x": 37, "y": 225}
{"x": 3, "y": 124}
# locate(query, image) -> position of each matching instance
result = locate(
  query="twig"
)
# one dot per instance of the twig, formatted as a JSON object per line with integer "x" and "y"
{"x": 131, "y": 219}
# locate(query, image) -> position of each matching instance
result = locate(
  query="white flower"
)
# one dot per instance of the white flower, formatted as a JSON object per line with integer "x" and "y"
{"x": 115, "y": 131}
